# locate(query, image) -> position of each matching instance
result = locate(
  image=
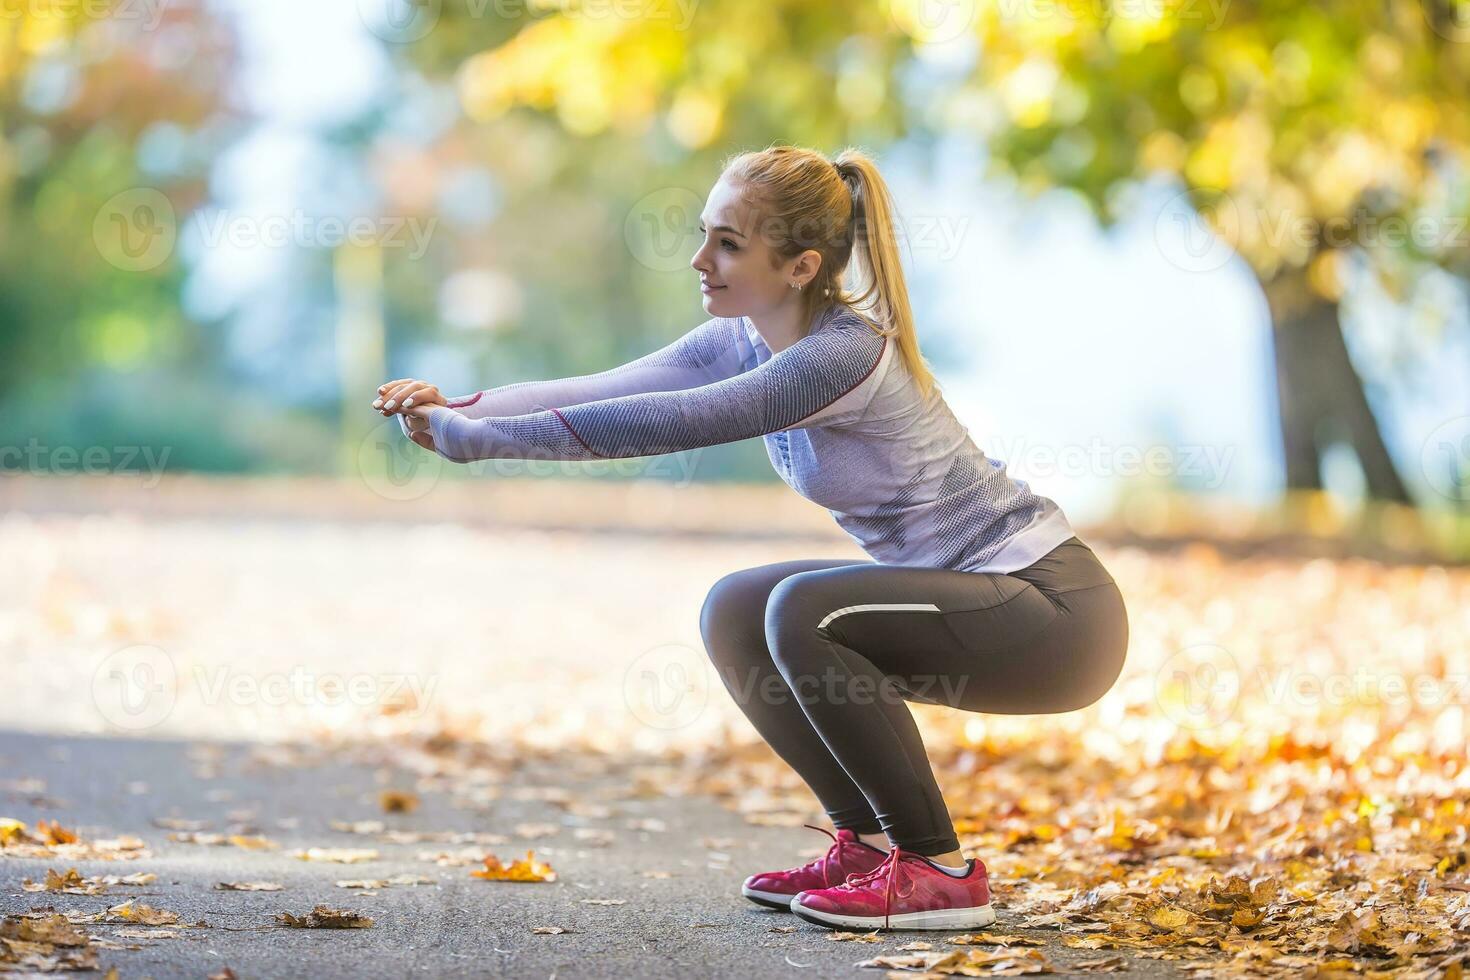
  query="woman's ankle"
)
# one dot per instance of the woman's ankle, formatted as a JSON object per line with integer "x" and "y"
{"x": 954, "y": 860}
{"x": 880, "y": 841}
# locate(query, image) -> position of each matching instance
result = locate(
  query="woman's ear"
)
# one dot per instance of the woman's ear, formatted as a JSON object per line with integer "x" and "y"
{"x": 806, "y": 267}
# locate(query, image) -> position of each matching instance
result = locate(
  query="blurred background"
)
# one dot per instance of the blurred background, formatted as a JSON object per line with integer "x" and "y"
{"x": 1197, "y": 271}
{"x": 1176, "y": 266}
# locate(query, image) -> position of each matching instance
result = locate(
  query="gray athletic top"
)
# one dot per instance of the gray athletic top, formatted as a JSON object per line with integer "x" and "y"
{"x": 843, "y": 421}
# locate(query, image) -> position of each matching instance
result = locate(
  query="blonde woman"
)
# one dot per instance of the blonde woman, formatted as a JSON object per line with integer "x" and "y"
{"x": 979, "y": 595}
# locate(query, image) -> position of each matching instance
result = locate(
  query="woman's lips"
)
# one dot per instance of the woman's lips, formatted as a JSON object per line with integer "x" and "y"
{"x": 706, "y": 287}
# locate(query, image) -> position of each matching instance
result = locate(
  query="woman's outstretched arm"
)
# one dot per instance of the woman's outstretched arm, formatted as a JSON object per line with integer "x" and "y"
{"x": 803, "y": 384}
{"x": 708, "y": 353}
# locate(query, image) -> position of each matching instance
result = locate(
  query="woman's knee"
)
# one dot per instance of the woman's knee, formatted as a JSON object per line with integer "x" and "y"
{"x": 730, "y": 621}
{"x": 790, "y": 621}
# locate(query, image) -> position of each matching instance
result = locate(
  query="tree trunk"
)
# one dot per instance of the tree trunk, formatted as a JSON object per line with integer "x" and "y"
{"x": 1320, "y": 393}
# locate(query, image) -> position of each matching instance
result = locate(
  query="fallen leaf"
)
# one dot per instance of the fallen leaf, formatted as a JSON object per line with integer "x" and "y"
{"x": 1110, "y": 964}
{"x": 397, "y": 801}
{"x": 994, "y": 939}
{"x": 533, "y": 830}
{"x": 135, "y": 911}
{"x": 336, "y": 855}
{"x": 253, "y": 842}
{"x": 522, "y": 869}
{"x": 130, "y": 933}
{"x": 325, "y": 917}
{"x": 179, "y": 823}
{"x": 402, "y": 879}
{"x": 53, "y": 930}
{"x": 71, "y": 883}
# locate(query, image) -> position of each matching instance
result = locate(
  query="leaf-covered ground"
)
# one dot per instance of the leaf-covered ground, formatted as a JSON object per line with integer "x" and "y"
{"x": 1277, "y": 784}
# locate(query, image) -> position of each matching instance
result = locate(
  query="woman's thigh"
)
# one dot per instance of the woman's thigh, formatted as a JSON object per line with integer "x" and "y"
{"x": 979, "y": 641}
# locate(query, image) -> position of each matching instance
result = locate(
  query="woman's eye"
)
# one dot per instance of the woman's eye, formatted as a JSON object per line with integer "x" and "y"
{"x": 723, "y": 241}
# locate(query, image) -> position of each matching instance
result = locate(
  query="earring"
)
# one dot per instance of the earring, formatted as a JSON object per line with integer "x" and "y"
{"x": 796, "y": 285}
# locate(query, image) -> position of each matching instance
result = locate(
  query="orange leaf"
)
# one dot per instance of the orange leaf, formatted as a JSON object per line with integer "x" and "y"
{"x": 522, "y": 869}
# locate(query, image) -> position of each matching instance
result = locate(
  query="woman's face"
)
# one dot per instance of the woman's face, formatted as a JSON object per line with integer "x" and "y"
{"x": 734, "y": 261}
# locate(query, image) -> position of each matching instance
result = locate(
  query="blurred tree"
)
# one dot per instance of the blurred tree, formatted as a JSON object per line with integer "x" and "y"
{"x": 1306, "y": 136}
{"x": 77, "y": 95}
{"x": 601, "y": 129}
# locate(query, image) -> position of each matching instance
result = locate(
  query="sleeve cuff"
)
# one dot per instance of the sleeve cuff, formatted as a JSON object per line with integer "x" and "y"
{"x": 442, "y": 423}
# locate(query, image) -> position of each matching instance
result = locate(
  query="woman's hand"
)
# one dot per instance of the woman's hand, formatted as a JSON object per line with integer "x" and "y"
{"x": 405, "y": 394}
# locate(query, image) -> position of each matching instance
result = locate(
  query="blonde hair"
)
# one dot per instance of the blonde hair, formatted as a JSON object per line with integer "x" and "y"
{"x": 842, "y": 209}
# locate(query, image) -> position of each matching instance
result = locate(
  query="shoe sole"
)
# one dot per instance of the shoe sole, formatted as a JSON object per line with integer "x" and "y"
{"x": 771, "y": 900}
{"x": 952, "y": 919}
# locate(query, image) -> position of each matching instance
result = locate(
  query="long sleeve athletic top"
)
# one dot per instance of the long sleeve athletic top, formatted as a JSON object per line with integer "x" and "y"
{"x": 843, "y": 420}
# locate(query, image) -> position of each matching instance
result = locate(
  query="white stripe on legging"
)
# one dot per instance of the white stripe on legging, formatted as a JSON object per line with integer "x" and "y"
{"x": 880, "y": 607}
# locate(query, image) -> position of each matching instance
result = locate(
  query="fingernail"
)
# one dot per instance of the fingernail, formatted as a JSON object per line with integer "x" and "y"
{"x": 391, "y": 403}
{"x": 377, "y": 402}
{"x": 407, "y": 402}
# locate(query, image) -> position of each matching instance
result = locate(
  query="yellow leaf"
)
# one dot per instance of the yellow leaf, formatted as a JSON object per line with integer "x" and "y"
{"x": 339, "y": 855}
{"x": 253, "y": 842}
{"x": 11, "y": 830}
{"x": 135, "y": 911}
{"x": 1167, "y": 917}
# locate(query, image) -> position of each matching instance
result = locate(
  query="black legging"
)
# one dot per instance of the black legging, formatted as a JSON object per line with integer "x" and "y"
{"x": 821, "y": 654}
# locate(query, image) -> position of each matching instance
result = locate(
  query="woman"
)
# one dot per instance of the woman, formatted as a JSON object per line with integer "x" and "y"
{"x": 980, "y": 596}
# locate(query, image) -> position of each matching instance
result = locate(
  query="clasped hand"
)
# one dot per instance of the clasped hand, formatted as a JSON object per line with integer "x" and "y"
{"x": 409, "y": 397}
{"x": 414, "y": 400}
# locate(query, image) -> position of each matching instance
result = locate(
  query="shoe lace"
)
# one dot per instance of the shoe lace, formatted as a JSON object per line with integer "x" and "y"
{"x": 834, "y": 853}
{"x": 890, "y": 871}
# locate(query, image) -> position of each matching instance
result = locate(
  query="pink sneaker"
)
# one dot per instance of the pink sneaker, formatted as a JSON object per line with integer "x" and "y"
{"x": 847, "y": 856}
{"x": 904, "y": 892}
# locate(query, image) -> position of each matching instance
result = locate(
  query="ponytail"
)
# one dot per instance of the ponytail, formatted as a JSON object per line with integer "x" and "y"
{"x": 875, "y": 249}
